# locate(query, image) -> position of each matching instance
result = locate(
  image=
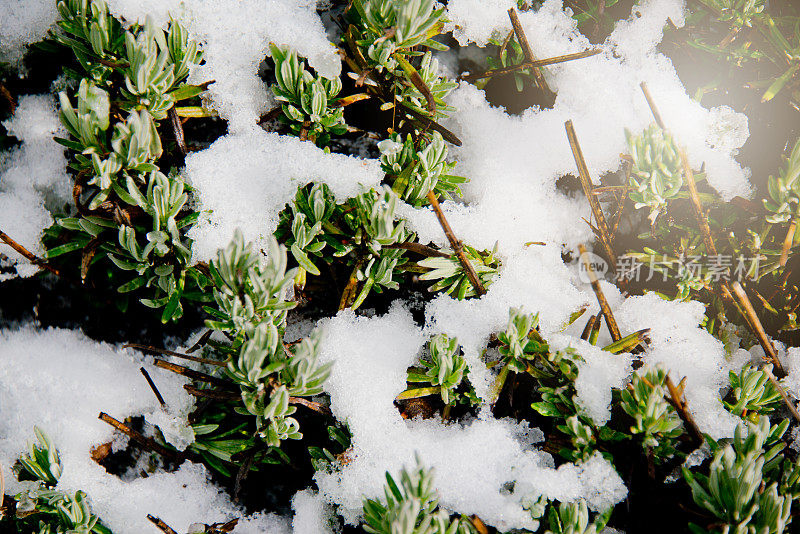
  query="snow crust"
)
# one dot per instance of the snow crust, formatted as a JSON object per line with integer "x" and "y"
{"x": 23, "y": 22}
{"x": 476, "y": 463}
{"x": 33, "y": 178}
{"x": 244, "y": 180}
{"x": 60, "y": 381}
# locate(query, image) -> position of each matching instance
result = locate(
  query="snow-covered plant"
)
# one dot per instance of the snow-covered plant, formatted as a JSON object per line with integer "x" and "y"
{"x": 451, "y": 277}
{"x": 116, "y": 159}
{"x": 42, "y": 508}
{"x": 521, "y": 343}
{"x": 385, "y": 36}
{"x": 753, "y": 393}
{"x": 738, "y": 13}
{"x": 250, "y": 293}
{"x": 375, "y": 227}
{"x": 248, "y": 289}
{"x": 417, "y": 172}
{"x": 411, "y": 507}
{"x": 573, "y": 518}
{"x": 445, "y": 369}
{"x": 414, "y": 23}
{"x": 656, "y": 173}
{"x": 308, "y": 101}
{"x": 743, "y": 487}
{"x": 656, "y": 424}
{"x": 581, "y": 436}
{"x": 784, "y": 190}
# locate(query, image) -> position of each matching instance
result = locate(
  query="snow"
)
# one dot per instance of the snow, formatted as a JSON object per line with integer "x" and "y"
{"x": 598, "y": 374}
{"x": 74, "y": 380}
{"x": 235, "y": 35}
{"x": 600, "y": 94}
{"x": 244, "y": 180}
{"x": 311, "y": 514}
{"x": 33, "y": 178}
{"x": 23, "y": 22}
{"x": 685, "y": 350}
{"x": 475, "y": 463}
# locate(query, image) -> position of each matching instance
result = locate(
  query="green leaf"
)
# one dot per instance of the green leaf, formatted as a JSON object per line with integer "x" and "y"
{"x": 418, "y": 392}
{"x": 546, "y": 409}
{"x": 63, "y": 249}
{"x": 303, "y": 261}
{"x": 133, "y": 285}
{"x": 185, "y": 91}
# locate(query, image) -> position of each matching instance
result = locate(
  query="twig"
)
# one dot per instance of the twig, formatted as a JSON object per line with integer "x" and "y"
{"x": 214, "y": 394}
{"x": 589, "y": 327}
{"x": 538, "y": 63}
{"x": 196, "y": 375}
{"x": 177, "y": 129}
{"x": 427, "y": 122}
{"x": 782, "y": 393}
{"x": 456, "y": 244}
{"x": 787, "y": 242}
{"x": 350, "y": 291}
{"x": 10, "y": 99}
{"x": 526, "y": 49}
{"x": 148, "y": 348}
{"x": 148, "y": 443}
{"x": 586, "y": 182}
{"x": 601, "y": 298}
{"x": 163, "y": 527}
{"x": 30, "y": 256}
{"x": 679, "y": 403}
{"x": 755, "y": 323}
{"x": 153, "y": 387}
{"x": 420, "y": 249}
{"x": 311, "y": 405}
{"x": 201, "y": 342}
{"x": 653, "y": 108}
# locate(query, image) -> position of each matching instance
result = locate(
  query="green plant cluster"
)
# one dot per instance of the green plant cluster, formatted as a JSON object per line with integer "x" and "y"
{"x": 250, "y": 294}
{"x": 752, "y": 246}
{"x": 40, "y": 507}
{"x": 753, "y": 36}
{"x": 309, "y": 103}
{"x": 411, "y": 507}
{"x": 750, "y": 486}
{"x": 131, "y": 211}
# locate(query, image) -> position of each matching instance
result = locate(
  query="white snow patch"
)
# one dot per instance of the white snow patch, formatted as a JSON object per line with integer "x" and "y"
{"x": 33, "y": 178}
{"x": 244, "y": 180}
{"x": 23, "y": 22}
{"x": 474, "y": 463}
{"x": 60, "y": 381}
{"x": 235, "y": 35}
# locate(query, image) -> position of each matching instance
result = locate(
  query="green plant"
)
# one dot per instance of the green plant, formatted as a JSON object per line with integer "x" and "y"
{"x": 42, "y": 508}
{"x": 417, "y": 172}
{"x": 388, "y": 35}
{"x": 308, "y": 102}
{"x": 753, "y": 393}
{"x": 655, "y": 421}
{"x": 742, "y": 489}
{"x": 135, "y": 74}
{"x": 445, "y": 370}
{"x": 784, "y": 190}
{"x": 411, "y": 507}
{"x": 573, "y": 518}
{"x": 451, "y": 277}
{"x": 737, "y": 13}
{"x": 656, "y": 173}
